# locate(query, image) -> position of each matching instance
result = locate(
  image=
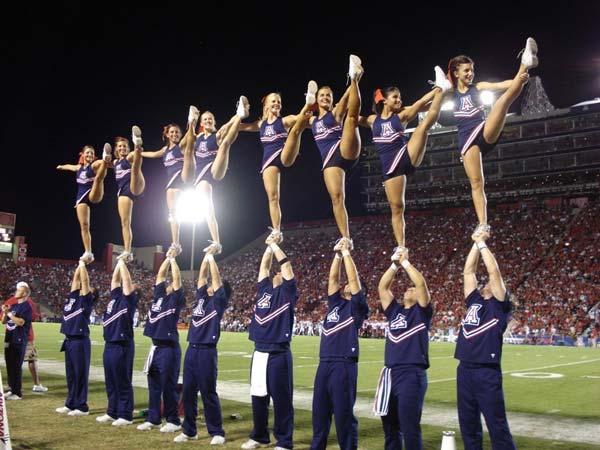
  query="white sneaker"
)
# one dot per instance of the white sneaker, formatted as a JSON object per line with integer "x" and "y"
{"x": 63, "y": 410}
{"x": 217, "y": 440}
{"x": 170, "y": 428}
{"x": 355, "y": 69}
{"x": 311, "y": 92}
{"x": 215, "y": 247}
{"x": 193, "y": 114}
{"x": 120, "y": 422}
{"x": 78, "y": 412}
{"x": 242, "y": 107}
{"x": 441, "y": 80}
{"x": 39, "y": 388}
{"x": 251, "y": 444}
{"x": 105, "y": 418}
{"x": 87, "y": 257}
{"x": 275, "y": 234}
{"x": 12, "y": 397}
{"x": 398, "y": 251}
{"x": 184, "y": 438}
{"x": 174, "y": 250}
{"x": 126, "y": 256}
{"x": 136, "y": 136}
{"x": 483, "y": 228}
{"x": 146, "y": 426}
{"x": 529, "y": 56}
{"x": 107, "y": 153}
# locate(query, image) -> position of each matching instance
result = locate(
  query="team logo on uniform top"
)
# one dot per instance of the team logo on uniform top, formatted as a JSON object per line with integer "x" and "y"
{"x": 69, "y": 305}
{"x": 169, "y": 156}
{"x": 202, "y": 146}
{"x": 398, "y": 322}
{"x": 466, "y": 104}
{"x": 269, "y": 130}
{"x": 109, "y": 307}
{"x": 320, "y": 127}
{"x": 199, "y": 309}
{"x": 333, "y": 316}
{"x": 156, "y": 306}
{"x": 264, "y": 302}
{"x": 472, "y": 316}
{"x": 387, "y": 129}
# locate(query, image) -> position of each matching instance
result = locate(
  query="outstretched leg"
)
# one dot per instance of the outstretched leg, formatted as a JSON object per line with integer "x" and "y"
{"x": 125, "y": 205}
{"x": 189, "y": 161}
{"x": 291, "y": 149}
{"x": 137, "y": 183}
{"x": 271, "y": 180}
{"x": 350, "y": 144}
{"x": 219, "y": 166}
{"x": 83, "y": 216}
{"x": 394, "y": 190}
{"x": 172, "y": 196}
{"x": 418, "y": 141}
{"x": 334, "y": 181}
{"x": 213, "y": 227}
{"x": 97, "y": 193}
{"x": 474, "y": 170}
{"x": 494, "y": 123}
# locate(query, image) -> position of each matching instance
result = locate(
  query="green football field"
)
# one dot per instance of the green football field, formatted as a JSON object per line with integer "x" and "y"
{"x": 555, "y": 388}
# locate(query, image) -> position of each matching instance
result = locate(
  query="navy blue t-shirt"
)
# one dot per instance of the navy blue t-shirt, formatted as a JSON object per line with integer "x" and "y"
{"x": 407, "y": 341}
{"x": 76, "y": 314}
{"x": 15, "y": 334}
{"x": 206, "y": 316}
{"x": 163, "y": 314}
{"x": 117, "y": 320}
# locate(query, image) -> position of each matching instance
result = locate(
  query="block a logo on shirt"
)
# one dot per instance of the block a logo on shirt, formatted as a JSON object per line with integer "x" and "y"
{"x": 387, "y": 129}
{"x": 264, "y": 302}
{"x": 269, "y": 130}
{"x": 472, "y": 316}
{"x": 199, "y": 309}
{"x": 110, "y": 305}
{"x": 399, "y": 322}
{"x": 320, "y": 127}
{"x": 157, "y": 305}
{"x": 333, "y": 316}
{"x": 69, "y": 305}
{"x": 466, "y": 104}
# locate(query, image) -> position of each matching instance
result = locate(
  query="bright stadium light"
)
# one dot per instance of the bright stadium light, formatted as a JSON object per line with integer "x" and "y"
{"x": 191, "y": 207}
{"x": 487, "y": 98}
{"x": 448, "y": 106}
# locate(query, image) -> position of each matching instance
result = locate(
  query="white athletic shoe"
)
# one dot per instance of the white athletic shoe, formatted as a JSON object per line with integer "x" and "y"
{"x": 107, "y": 152}
{"x": 12, "y": 397}
{"x": 276, "y": 234}
{"x": 170, "y": 428}
{"x": 146, "y": 426}
{"x": 215, "y": 247}
{"x": 175, "y": 249}
{"x": 184, "y": 438}
{"x": 193, "y": 114}
{"x": 105, "y": 418}
{"x": 63, "y": 410}
{"x": 39, "y": 388}
{"x": 441, "y": 80}
{"x": 120, "y": 422}
{"x": 355, "y": 69}
{"x": 87, "y": 257}
{"x": 217, "y": 440}
{"x": 398, "y": 251}
{"x": 528, "y": 55}
{"x": 126, "y": 256}
{"x": 252, "y": 444}
{"x": 483, "y": 228}
{"x": 311, "y": 92}
{"x": 78, "y": 412}
{"x": 338, "y": 245}
{"x": 242, "y": 107}
{"x": 136, "y": 136}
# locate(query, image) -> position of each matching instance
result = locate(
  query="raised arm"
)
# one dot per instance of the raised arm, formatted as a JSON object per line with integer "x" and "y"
{"x": 385, "y": 284}
{"x": 155, "y": 154}
{"x": 284, "y": 263}
{"x": 366, "y": 121}
{"x": 496, "y": 282}
{"x": 176, "y": 274}
{"x": 421, "y": 105}
{"x": 423, "y": 296}
{"x": 499, "y": 86}
{"x": 116, "y": 277}
{"x": 333, "y": 285}
{"x": 76, "y": 283}
{"x": 203, "y": 275}
{"x": 125, "y": 277}
{"x": 252, "y": 126}
{"x": 85, "y": 279}
{"x": 215, "y": 275}
{"x": 470, "y": 270}
{"x": 161, "y": 276}
{"x": 351, "y": 272}
{"x": 265, "y": 264}
{"x": 68, "y": 167}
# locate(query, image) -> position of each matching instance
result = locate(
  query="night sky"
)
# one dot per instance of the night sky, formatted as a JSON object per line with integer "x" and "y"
{"x": 83, "y": 73}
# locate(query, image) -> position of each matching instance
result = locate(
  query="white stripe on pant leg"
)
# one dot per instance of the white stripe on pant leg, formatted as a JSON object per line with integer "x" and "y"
{"x": 149, "y": 359}
{"x": 258, "y": 374}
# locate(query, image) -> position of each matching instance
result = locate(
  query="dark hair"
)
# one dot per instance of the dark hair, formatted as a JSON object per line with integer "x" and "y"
{"x": 453, "y": 65}
{"x": 166, "y": 130}
{"x": 228, "y": 289}
{"x": 378, "y": 101}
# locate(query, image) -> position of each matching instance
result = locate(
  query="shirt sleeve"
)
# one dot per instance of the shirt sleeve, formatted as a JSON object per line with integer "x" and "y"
{"x": 26, "y": 313}
{"x": 202, "y": 292}
{"x": 291, "y": 289}
{"x": 220, "y": 301}
{"x": 179, "y": 297}
{"x": 360, "y": 309}
{"x": 390, "y": 311}
{"x": 131, "y": 299}
{"x": 160, "y": 290}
